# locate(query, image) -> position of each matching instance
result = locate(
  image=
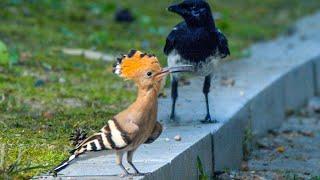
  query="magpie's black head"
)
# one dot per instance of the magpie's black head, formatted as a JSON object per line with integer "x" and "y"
{"x": 194, "y": 12}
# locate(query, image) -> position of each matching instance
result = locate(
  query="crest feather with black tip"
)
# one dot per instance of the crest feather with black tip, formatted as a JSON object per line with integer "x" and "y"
{"x": 129, "y": 66}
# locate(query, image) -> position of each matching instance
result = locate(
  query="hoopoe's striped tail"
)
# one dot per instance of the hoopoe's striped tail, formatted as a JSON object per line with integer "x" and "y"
{"x": 93, "y": 143}
{"x": 81, "y": 149}
{"x": 64, "y": 164}
{"x": 111, "y": 137}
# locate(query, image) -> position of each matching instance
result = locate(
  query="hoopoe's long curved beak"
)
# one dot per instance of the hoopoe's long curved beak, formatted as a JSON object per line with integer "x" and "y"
{"x": 175, "y": 69}
{"x": 182, "y": 68}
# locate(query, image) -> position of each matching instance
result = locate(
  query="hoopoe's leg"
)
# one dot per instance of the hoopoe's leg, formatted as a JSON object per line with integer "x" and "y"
{"x": 129, "y": 159}
{"x": 119, "y": 156}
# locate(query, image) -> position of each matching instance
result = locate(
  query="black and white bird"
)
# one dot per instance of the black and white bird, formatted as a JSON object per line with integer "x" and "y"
{"x": 195, "y": 41}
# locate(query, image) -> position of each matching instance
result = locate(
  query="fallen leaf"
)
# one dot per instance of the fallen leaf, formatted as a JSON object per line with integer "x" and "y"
{"x": 24, "y": 56}
{"x": 227, "y": 82}
{"x": 262, "y": 145}
{"x": 273, "y": 132}
{"x": 280, "y": 149}
{"x": 184, "y": 81}
{"x": 287, "y": 131}
{"x": 244, "y": 166}
{"x": 48, "y": 115}
{"x": 306, "y": 133}
{"x": 162, "y": 95}
{"x": 314, "y": 104}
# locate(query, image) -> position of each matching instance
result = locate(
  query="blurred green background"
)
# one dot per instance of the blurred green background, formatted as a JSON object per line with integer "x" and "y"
{"x": 45, "y": 94}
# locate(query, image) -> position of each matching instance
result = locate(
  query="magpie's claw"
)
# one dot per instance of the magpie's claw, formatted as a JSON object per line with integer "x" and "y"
{"x": 208, "y": 120}
{"x": 172, "y": 117}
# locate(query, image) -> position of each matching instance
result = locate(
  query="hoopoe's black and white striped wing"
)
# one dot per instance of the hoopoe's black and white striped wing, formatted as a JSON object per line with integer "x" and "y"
{"x": 111, "y": 137}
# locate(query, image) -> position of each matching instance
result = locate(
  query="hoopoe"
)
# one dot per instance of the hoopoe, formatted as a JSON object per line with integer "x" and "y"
{"x": 136, "y": 125}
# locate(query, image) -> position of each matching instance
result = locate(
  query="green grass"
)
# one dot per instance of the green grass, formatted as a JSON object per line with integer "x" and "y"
{"x": 36, "y": 121}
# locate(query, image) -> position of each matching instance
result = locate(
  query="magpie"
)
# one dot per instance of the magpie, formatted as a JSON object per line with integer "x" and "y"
{"x": 198, "y": 42}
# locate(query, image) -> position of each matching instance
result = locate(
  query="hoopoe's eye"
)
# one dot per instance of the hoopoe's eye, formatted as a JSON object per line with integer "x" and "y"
{"x": 149, "y": 74}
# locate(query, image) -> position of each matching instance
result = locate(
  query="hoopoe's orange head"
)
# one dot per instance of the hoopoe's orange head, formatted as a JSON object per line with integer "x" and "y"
{"x": 142, "y": 68}
{"x": 136, "y": 65}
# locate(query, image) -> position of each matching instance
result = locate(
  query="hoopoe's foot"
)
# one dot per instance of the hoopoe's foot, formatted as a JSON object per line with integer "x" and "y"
{"x": 209, "y": 120}
{"x": 125, "y": 171}
{"x": 136, "y": 171}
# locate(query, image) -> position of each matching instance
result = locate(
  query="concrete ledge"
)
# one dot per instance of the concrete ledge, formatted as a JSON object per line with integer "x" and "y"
{"x": 316, "y": 76}
{"x": 267, "y": 108}
{"x": 300, "y": 84}
{"x": 279, "y": 75}
{"x": 232, "y": 133}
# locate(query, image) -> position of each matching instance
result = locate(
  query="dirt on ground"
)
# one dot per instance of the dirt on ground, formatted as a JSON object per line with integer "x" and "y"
{"x": 291, "y": 152}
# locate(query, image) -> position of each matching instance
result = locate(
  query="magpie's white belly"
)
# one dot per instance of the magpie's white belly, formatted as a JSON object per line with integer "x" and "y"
{"x": 202, "y": 68}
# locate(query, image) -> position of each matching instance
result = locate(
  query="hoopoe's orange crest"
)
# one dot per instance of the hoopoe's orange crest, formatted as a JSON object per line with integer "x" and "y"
{"x": 135, "y": 63}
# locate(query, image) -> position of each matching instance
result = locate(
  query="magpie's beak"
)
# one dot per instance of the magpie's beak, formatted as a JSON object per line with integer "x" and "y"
{"x": 175, "y": 69}
{"x": 175, "y": 8}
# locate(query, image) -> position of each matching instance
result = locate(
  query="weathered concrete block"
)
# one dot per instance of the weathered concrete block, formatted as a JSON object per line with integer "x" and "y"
{"x": 316, "y": 68}
{"x": 267, "y": 108}
{"x": 184, "y": 166}
{"x": 162, "y": 173}
{"x": 299, "y": 86}
{"x": 227, "y": 141}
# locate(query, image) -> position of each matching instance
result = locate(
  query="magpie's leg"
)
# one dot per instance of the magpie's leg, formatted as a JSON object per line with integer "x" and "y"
{"x": 174, "y": 95}
{"x": 206, "y": 90}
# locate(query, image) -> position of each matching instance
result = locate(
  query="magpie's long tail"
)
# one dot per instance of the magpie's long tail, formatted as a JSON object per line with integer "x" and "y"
{"x": 110, "y": 137}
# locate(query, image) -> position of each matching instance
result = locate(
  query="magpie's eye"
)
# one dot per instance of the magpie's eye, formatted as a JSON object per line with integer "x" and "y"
{"x": 149, "y": 74}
